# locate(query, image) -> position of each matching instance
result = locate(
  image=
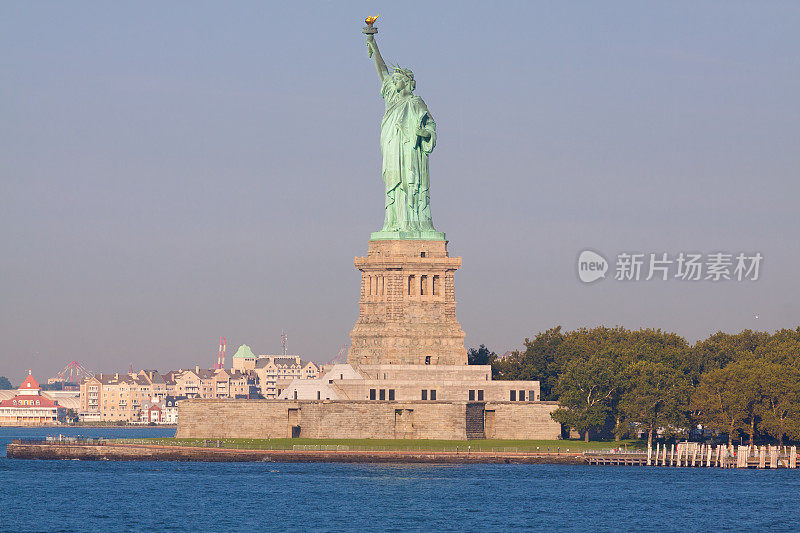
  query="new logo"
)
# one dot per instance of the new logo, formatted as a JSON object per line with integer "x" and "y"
{"x": 591, "y": 266}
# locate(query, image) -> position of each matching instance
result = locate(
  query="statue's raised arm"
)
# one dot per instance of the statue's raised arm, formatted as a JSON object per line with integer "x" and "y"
{"x": 375, "y": 54}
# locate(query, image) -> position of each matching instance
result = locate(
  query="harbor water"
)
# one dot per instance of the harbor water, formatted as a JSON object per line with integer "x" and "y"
{"x": 180, "y": 496}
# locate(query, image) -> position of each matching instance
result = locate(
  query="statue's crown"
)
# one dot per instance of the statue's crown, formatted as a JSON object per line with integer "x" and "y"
{"x": 402, "y": 70}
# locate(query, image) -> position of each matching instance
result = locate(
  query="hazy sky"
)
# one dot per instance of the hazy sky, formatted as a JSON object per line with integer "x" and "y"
{"x": 174, "y": 172}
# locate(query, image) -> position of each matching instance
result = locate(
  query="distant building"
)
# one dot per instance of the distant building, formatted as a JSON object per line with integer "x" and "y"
{"x": 276, "y": 372}
{"x": 219, "y": 383}
{"x": 169, "y": 414}
{"x": 29, "y": 407}
{"x": 158, "y": 383}
{"x": 122, "y": 397}
{"x": 509, "y": 354}
{"x": 152, "y": 411}
{"x": 244, "y": 359}
{"x": 116, "y": 397}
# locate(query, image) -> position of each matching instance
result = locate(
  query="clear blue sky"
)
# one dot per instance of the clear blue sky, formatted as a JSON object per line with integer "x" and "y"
{"x": 174, "y": 172}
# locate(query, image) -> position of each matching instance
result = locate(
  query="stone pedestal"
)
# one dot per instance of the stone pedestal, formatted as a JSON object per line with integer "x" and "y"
{"x": 407, "y": 312}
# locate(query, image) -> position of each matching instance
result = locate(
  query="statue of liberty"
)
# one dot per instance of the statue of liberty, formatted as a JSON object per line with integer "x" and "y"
{"x": 408, "y": 135}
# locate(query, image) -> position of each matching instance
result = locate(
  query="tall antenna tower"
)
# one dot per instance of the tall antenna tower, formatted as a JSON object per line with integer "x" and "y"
{"x": 284, "y": 338}
{"x": 221, "y": 356}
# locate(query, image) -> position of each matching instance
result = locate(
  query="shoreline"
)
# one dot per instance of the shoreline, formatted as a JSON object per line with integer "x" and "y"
{"x": 146, "y": 452}
{"x": 110, "y": 451}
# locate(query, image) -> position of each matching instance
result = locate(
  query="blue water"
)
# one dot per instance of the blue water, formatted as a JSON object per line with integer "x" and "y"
{"x": 167, "y": 496}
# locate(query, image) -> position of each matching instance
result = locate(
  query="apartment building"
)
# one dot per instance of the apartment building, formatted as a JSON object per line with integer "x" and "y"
{"x": 114, "y": 397}
{"x": 276, "y": 372}
{"x": 122, "y": 397}
{"x": 218, "y": 383}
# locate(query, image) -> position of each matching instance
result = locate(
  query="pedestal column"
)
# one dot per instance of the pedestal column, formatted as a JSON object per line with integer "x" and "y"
{"x": 413, "y": 320}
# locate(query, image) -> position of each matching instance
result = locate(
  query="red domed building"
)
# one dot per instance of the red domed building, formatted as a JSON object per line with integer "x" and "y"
{"x": 29, "y": 407}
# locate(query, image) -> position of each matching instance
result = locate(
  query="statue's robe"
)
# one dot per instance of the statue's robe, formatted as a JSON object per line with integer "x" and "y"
{"x": 405, "y": 160}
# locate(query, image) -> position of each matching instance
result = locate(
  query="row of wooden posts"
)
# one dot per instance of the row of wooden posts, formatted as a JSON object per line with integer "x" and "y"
{"x": 722, "y": 456}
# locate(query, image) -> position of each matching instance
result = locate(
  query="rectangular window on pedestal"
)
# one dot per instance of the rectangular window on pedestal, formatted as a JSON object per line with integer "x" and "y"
{"x": 433, "y": 394}
{"x": 435, "y": 288}
{"x": 424, "y": 394}
{"x": 472, "y": 395}
{"x": 383, "y": 394}
{"x": 411, "y": 285}
{"x": 423, "y": 285}
{"x": 391, "y": 394}
{"x": 371, "y": 394}
{"x": 513, "y": 395}
{"x": 522, "y": 395}
{"x": 531, "y": 395}
{"x": 480, "y": 395}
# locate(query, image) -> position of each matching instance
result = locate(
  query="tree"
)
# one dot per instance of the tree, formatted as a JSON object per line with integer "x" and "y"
{"x": 480, "y": 356}
{"x": 656, "y": 396}
{"x": 71, "y": 416}
{"x": 587, "y": 390}
{"x": 783, "y": 347}
{"x": 728, "y": 382}
{"x": 5, "y": 384}
{"x": 542, "y": 361}
{"x": 780, "y": 407}
{"x": 725, "y": 400}
{"x": 749, "y": 373}
{"x": 720, "y": 349}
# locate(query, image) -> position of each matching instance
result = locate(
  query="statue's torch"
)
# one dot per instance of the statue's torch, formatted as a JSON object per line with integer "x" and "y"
{"x": 369, "y": 30}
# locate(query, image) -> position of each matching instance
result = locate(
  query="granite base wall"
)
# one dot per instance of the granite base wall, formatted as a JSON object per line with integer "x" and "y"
{"x": 521, "y": 420}
{"x": 264, "y": 419}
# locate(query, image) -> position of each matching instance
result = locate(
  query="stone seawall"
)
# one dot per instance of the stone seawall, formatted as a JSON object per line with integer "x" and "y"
{"x": 129, "y": 452}
{"x": 266, "y": 419}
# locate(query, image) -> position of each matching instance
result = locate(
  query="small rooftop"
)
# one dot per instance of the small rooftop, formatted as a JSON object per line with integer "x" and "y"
{"x": 29, "y": 383}
{"x": 244, "y": 351}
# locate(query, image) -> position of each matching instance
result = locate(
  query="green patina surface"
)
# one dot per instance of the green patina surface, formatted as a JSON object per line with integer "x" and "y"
{"x": 408, "y": 136}
{"x": 244, "y": 351}
{"x": 407, "y": 235}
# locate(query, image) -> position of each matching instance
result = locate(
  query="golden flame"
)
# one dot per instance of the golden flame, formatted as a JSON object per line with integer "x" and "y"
{"x": 371, "y": 20}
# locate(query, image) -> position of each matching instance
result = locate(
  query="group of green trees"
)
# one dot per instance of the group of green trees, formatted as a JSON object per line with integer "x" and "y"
{"x": 5, "y": 383}
{"x": 617, "y": 383}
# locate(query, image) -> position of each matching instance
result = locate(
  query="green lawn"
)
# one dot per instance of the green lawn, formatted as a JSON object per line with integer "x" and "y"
{"x": 400, "y": 444}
